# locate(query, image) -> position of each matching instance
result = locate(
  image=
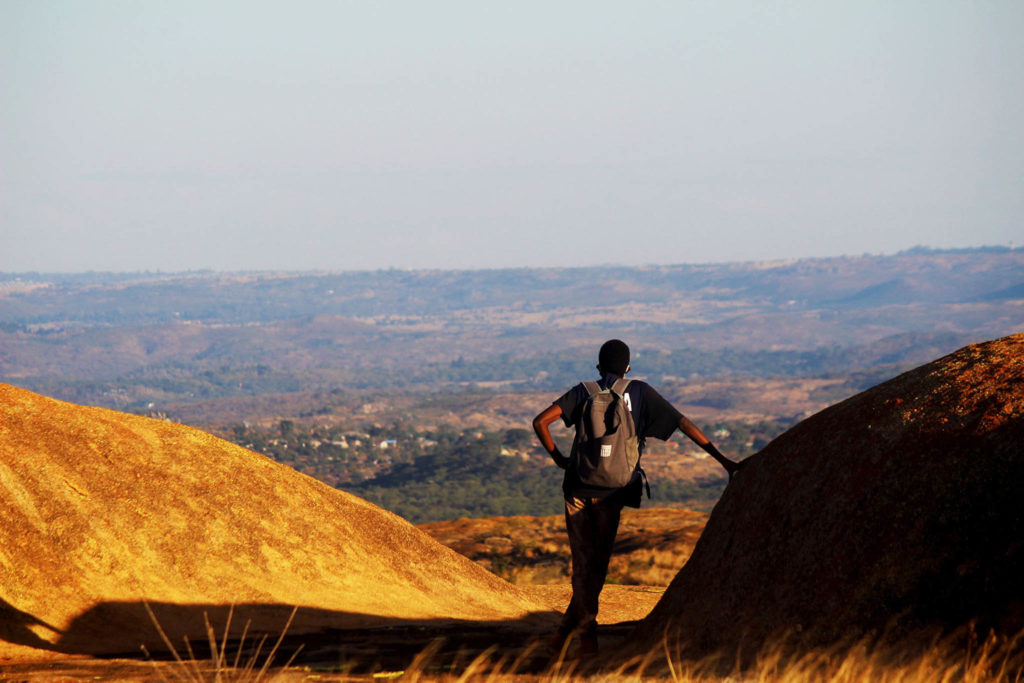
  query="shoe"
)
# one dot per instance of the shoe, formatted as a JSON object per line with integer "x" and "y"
{"x": 556, "y": 643}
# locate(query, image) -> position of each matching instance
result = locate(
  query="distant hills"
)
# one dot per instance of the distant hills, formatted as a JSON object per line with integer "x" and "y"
{"x": 919, "y": 275}
{"x": 131, "y": 340}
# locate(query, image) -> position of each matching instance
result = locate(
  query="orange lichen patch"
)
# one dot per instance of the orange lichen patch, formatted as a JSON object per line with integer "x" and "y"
{"x": 100, "y": 509}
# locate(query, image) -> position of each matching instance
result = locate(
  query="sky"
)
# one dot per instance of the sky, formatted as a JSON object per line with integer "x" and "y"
{"x": 143, "y": 135}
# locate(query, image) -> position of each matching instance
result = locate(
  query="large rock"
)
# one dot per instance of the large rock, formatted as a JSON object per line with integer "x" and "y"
{"x": 901, "y": 508}
{"x": 102, "y": 513}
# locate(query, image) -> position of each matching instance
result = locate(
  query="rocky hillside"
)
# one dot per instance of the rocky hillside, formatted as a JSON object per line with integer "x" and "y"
{"x": 102, "y": 513}
{"x": 899, "y": 508}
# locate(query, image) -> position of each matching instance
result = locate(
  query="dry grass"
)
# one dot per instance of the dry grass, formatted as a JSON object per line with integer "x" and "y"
{"x": 994, "y": 660}
{"x": 955, "y": 660}
{"x": 221, "y": 666}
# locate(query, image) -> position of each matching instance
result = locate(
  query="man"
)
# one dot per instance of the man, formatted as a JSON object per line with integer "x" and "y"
{"x": 592, "y": 513}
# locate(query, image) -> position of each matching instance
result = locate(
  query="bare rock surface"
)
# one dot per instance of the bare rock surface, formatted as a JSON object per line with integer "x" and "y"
{"x": 103, "y": 513}
{"x": 898, "y": 510}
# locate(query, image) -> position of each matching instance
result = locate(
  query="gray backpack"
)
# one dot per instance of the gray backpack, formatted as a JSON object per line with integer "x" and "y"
{"x": 605, "y": 452}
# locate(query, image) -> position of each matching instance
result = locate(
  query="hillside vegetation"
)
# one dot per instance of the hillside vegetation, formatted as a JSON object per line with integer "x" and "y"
{"x": 436, "y": 474}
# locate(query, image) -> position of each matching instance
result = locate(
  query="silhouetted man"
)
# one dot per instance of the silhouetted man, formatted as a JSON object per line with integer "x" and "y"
{"x": 592, "y": 512}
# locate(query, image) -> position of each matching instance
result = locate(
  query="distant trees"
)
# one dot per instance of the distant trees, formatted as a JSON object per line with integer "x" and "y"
{"x": 446, "y": 474}
{"x": 517, "y": 438}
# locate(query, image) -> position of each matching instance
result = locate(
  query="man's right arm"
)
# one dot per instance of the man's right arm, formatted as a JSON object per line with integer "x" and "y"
{"x": 541, "y": 425}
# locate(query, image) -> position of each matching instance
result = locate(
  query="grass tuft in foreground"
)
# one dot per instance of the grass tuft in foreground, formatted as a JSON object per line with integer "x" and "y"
{"x": 218, "y": 667}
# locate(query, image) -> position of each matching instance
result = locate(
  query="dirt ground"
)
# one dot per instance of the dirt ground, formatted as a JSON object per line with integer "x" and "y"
{"x": 651, "y": 546}
{"x": 353, "y": 654}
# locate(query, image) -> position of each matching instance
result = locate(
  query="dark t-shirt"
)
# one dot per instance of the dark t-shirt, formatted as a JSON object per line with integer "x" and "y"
{"x": 652, "y": 415}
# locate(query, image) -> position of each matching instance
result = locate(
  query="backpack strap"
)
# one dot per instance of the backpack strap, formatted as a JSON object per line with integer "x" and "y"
{"x": 620, "y": 385}
{"x": 592, "y": 388}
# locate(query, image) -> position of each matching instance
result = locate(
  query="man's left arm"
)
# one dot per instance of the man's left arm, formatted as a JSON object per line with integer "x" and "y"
{"x": 693, "y": 432}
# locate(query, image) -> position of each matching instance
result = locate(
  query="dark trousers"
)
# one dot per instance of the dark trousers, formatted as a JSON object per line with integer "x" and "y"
{"x": 592, "y": 524}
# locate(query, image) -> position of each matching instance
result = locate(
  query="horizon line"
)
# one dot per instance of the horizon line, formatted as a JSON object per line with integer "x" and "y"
{"x": 917, "y": 250}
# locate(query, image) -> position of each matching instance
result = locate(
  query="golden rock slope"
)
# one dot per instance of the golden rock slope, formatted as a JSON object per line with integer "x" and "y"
{"x": 103, "y": 512}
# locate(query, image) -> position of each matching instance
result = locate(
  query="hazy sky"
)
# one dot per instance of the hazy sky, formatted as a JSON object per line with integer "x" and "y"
{"x": 340, "y": 135}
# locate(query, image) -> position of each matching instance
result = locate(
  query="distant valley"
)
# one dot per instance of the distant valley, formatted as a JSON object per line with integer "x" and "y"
{"x": 129, "y": 340}
{"x": 745, "y": 349}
